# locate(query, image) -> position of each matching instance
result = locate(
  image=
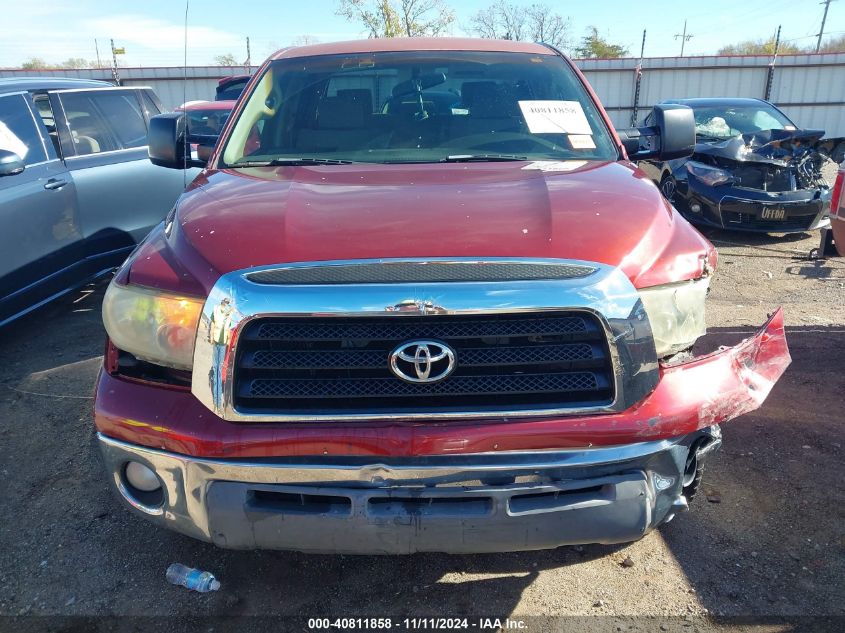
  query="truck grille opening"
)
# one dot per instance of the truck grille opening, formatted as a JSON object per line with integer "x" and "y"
{"x": 340, "y": 365}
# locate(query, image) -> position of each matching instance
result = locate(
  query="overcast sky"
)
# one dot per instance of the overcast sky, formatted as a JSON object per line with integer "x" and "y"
{"x": 152, "y": 31}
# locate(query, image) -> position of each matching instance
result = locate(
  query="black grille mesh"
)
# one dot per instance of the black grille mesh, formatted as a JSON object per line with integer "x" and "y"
{"x": 340, "y": 365}
{"x": 418, "y": 272}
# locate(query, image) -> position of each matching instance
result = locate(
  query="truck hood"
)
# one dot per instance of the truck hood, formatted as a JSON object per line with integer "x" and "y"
{"x": 604, "y": 212}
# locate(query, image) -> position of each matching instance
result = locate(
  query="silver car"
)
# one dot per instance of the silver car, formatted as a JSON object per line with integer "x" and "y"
{"x": 77, "y": 189}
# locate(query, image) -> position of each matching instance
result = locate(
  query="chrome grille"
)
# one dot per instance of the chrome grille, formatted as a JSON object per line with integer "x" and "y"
{"x": 339, "y": 365}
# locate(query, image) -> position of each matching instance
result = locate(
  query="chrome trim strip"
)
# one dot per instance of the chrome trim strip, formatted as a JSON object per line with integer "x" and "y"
{"x": 607, "y": 294}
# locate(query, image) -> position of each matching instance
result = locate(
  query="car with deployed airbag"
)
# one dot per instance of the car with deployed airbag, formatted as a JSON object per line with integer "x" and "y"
{"x": 420, "y": 298}
{"x": 752, "y": 169}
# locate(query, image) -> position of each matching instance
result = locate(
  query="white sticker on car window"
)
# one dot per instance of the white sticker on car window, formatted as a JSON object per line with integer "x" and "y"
{"x": 555, "y": 117}
{"x": 555, "y": 165}
{"x": 582, "y": 141}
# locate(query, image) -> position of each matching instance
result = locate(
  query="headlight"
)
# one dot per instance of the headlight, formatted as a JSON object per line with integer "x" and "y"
{"x": 152, "y": 325}
{"x": 676, "y": 314}
{"x": 709, "y": 175}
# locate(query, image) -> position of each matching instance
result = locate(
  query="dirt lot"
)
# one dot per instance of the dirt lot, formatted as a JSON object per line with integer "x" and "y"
{"x": 766, "y": 539}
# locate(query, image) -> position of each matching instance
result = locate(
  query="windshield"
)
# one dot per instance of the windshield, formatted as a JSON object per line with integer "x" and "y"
{"x": 727, "y": 121}
{"x": 415, "y": 106}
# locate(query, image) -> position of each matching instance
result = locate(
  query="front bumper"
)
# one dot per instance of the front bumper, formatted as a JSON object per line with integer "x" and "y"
{"x": 457, "y": 504}
{"x": 399, "y": 488}
{"x": 743, "y": 209}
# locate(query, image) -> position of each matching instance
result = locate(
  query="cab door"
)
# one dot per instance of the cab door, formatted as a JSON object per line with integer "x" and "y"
{"x": 121, "y": 194}
{"x": 40, "y": 236}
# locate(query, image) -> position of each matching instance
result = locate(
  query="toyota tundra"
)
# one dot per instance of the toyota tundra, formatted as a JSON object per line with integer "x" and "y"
{"x": 420, "y": 298}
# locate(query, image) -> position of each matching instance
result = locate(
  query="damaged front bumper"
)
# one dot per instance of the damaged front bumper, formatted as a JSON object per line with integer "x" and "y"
{"x": 739, "y": 208}
{"x": 497, "y": 486}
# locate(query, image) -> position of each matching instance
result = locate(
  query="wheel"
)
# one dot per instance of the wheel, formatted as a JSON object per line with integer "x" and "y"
{"x": 667, "y": 187}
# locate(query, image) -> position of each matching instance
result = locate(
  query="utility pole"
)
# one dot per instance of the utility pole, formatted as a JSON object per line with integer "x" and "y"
{"x": 97, "y": 48}
{"x": 248, "y": 61}
{"x": 638, "y": 77}
{"x": 770, "y": 75}
{"x": 686, "y": 38}
{"x": 114, "y": 52}
{"x": 826, "y": 4}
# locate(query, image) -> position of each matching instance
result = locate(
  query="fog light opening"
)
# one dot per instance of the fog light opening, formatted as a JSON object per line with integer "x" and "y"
{"x": 142, "y": 487}
{"x": 695, "y": 207}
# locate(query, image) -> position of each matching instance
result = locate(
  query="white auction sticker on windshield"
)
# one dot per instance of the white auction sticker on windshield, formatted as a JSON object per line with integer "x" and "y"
{"x": 555, "y": 117}
{"x": 582, "y": 141}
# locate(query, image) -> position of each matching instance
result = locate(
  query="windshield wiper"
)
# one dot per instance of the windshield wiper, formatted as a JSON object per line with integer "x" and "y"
{"x": 277, "y": 162}
{"x": 481, "y": 158}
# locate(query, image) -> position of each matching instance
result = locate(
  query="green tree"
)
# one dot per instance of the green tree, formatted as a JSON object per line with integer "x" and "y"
{"x": 759, "y": 47}
{"x": 398, "y": 18}
{"x": 226, "y": 60}
{"x": 34, "y": 63}
{"x": 594, "y": 45}
{"x": 508, "y": 21}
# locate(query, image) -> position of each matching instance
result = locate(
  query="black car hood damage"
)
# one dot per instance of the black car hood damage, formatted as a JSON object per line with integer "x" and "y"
{"x": 776, "y": 147}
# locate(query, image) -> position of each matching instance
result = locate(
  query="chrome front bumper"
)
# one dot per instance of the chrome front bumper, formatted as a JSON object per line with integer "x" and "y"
{"x": 474, "y": 503}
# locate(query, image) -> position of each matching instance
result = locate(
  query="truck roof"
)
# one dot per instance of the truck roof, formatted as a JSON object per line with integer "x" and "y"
{"x": 16, "y": 84}
{"x": 412, "y": 44}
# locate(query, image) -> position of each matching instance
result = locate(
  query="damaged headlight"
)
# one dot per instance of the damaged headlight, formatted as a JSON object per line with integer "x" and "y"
{"x": 152, "y": 325}
{"x": 676, "y": 314}
{"x": 708, "y": 174}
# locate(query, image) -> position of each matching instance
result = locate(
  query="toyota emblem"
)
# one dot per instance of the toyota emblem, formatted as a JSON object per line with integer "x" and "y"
{"x": 422, "y": 361}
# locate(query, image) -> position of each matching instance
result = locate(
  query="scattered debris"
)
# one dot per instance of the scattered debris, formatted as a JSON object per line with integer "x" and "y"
{"x": 714, "y": 496}
{"x": 598, "y": 603}
{"x": 628, "y": 562}
{"x": 768, "y": 274}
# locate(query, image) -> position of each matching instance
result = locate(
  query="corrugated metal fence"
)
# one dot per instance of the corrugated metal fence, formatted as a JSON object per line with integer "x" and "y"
{"x": 809, "y": 88}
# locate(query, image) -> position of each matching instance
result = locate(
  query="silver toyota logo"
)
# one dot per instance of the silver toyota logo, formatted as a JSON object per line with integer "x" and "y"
{"x": 422, "y": 361}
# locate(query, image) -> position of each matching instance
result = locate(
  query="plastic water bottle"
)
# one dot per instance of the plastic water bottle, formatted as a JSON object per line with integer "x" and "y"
{"x": 195, "y": 579}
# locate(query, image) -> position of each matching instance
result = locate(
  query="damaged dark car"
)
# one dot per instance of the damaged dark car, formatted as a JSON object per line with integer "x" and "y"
{"x": 753, "y": 169}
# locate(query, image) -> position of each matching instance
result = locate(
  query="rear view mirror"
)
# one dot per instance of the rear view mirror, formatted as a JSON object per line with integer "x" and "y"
{"x": 671, "y": 136}
{"x": 10, "y": 163}
{"x": 417, "y": 84}
{"x": 168, "y": 145}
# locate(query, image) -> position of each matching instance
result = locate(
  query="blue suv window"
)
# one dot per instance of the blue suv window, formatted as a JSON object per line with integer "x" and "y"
{"x": 18, "y": 130}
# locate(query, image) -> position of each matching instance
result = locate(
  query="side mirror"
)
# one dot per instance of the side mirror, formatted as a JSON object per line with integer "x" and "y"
{"x": 10, "y": 163}
{"x": 167, "y": 143}
{"x": 671, "y": 136}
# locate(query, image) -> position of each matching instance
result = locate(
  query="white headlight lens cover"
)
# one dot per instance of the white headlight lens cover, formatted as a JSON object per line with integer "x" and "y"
{"x": 676, "y": 314}
{"x": 152, "y": 325}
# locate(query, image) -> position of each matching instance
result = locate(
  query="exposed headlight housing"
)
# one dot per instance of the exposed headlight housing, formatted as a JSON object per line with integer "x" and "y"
{"x": 152, "y": 325}
{"x": 708, "y": 174}
{"x": 676, "y": 314}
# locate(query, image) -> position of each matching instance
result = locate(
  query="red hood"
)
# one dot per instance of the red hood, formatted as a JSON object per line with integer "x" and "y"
{"x": 605, "y": 212}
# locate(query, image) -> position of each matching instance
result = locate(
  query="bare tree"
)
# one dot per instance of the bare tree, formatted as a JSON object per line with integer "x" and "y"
{"x": 226, "y": 60}
{"x": 76, "y": 62}
{"x": 304, "y": 40}
{"x": 508, "y": 21}
{"x": 398, "y": 18}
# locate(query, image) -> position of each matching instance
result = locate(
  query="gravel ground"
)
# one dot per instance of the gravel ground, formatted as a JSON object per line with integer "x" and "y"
{"x": 764, "y": 541}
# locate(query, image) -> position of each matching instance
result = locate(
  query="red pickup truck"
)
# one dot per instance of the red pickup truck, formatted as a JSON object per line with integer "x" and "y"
{"x": 419, "y": 299}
